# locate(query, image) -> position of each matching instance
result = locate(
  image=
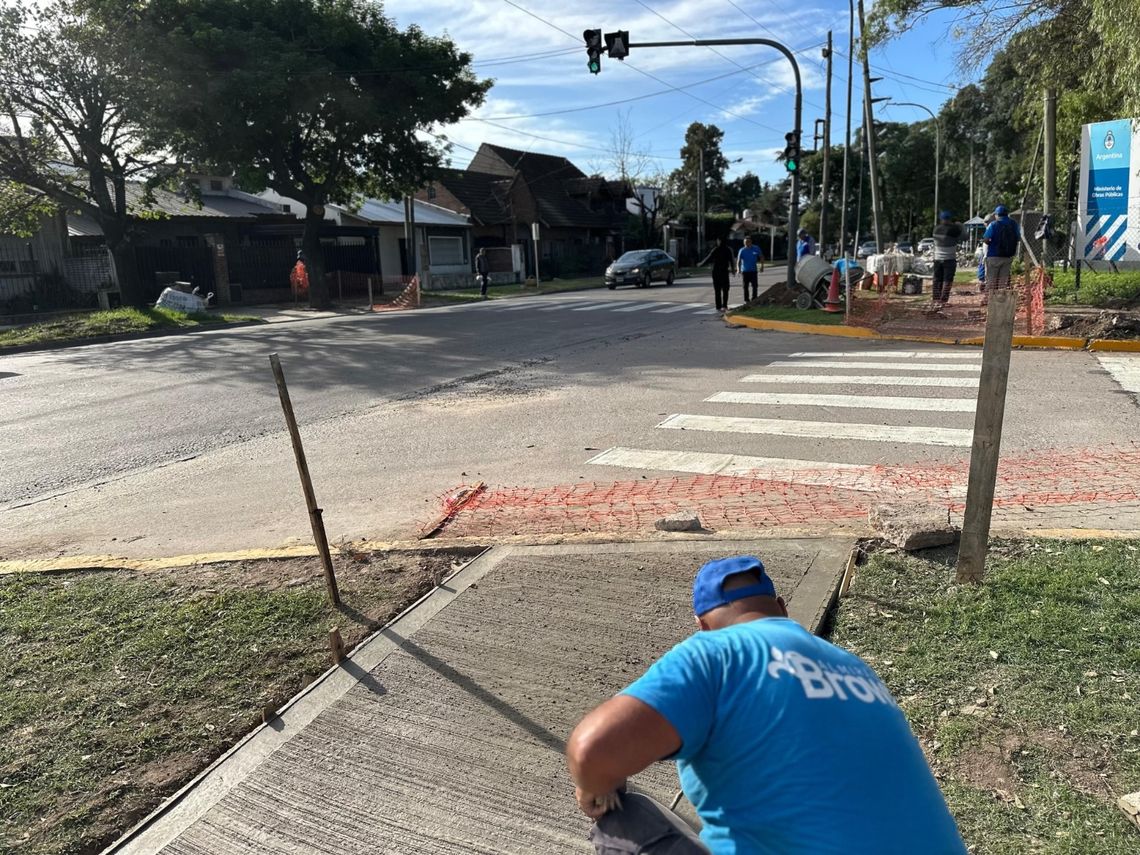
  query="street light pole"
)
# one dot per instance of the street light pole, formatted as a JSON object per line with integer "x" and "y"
{"x": 846, "y": 160}
{"x": 937, "y": 149}
{"x": 794, "y": 204}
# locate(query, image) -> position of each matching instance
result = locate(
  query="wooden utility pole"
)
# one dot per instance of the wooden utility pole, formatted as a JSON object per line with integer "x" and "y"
{"x": 315, "y": 520}
{"x": 869, "y": 130}
{"x": 826, "y": 192}
{"x": 987, "y": 435}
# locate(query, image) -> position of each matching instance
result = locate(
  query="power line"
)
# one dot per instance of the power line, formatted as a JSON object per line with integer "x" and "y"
{"x": 582, "y": 146}
{"x": 611, "y": 103}
{"x": 644, "y": 73}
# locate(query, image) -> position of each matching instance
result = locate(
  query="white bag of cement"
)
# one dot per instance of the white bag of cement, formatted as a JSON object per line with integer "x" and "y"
{"x": 180, "y": 301}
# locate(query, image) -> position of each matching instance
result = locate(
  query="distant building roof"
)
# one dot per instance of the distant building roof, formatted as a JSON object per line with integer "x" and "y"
{"x": 235, "y": 205}
{"x": 380, "y": 211}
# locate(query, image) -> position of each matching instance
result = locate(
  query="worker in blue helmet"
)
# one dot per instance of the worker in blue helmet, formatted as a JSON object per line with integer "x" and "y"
{"x": 784, "y": 742}
{"x": 947, "y": 236}
{"x": 1002, "y": 239}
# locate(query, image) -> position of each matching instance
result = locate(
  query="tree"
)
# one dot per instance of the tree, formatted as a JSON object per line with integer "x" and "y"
{"x": 70, "y": 129}
{"x": 684, "y": 179}
{"x": 632, "y": 165}
{"x": 322, "y": 101}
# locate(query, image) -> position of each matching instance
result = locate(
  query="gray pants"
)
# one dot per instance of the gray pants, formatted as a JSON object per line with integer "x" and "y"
{"x": 998, "y": 272}
{"x": 642, "y": 826}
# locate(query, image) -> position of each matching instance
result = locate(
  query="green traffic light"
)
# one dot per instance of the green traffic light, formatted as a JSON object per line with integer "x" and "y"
{"x": 594, "y": 65}
{"x": 792, "y": 166}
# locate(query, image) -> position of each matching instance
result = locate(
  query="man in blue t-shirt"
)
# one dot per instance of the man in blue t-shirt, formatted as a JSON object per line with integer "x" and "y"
{"x": 1002, "y": 238}
{"x": 784, "y": 743}
{"x": 749, "y": 260}
{"x": 805, "y": 246}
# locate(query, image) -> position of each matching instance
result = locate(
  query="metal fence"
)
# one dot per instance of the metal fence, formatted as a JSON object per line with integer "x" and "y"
{"x": 33, "y": 282}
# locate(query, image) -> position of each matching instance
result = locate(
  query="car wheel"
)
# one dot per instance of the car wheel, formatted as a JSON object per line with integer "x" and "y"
{"x": 647, "y": 282}
{"x": 669, "y": 278}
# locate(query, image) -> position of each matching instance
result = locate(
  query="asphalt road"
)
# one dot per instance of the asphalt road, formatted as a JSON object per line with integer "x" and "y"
{"x": 177, "y": 445}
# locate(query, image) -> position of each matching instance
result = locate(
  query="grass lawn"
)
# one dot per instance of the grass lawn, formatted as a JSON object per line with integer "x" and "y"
{"x": 791, "y": 313}
{"x": 117, "y": 687}
{"x": 1097, "y": 289}
{"x": 1023, "y": 690}
{"x": 113, "y": 322}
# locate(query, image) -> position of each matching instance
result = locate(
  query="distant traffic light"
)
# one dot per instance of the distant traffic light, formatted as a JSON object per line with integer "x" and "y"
{"x": 617, "y": 44}
{"x": 593, "y": 50}
{"x": 792, "y": 152}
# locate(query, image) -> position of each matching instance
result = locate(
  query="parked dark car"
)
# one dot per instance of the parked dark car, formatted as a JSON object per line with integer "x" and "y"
{"x": 641, "y": 267}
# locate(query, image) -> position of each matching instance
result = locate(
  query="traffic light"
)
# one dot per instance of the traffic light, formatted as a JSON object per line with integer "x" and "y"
{"x": 617, "y": 44}
{"x": 792, "y": 152}
{"x": 593, "y": 50}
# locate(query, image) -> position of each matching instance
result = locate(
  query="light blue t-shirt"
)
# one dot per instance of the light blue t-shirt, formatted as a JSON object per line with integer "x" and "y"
{"x": 749, "y": 257}
{"x": 790, "y": 744}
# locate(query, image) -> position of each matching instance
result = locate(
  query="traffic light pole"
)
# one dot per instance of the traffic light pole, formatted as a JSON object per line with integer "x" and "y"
{"x": 794, "y": 202}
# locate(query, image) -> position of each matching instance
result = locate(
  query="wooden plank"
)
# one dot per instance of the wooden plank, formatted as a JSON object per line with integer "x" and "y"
{"x": 315, "y": 519}
{"x": 986, "y": 448}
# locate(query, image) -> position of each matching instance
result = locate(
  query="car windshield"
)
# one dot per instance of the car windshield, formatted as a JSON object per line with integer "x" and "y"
{"x": 634, "y": 258}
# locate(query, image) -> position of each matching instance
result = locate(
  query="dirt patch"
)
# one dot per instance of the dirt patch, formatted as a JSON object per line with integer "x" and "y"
{"x": 118, "y": 687}
{"x": 987, "y": 767}
{"x": 1101, "y": 324}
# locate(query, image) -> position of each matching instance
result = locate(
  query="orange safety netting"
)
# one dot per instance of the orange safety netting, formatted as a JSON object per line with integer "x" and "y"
{"x": 880, "y": 304}
{"x": 1098, "y": 478}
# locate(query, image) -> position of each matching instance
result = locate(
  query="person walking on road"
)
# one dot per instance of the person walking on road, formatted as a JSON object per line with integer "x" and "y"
{"x": 947, "y": 236}
{"x": 1002, "y": 238}
{"x": 482, "y": 271}
{"x": 749, "y": 261}
{"x": 723, "y": 263}
{"x": 784, "y": 742}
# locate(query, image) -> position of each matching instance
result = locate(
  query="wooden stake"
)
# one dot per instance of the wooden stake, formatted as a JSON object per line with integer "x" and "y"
{"x": 987, "y": 436}
{"x": 315, "y": 519}
{"x": 336, "y": 645}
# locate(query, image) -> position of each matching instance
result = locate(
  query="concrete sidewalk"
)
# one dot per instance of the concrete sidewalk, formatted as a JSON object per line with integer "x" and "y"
{"x": 444, "y": 732}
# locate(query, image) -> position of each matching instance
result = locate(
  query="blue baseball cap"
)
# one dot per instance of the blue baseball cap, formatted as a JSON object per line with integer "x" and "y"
{"x": 946, "y": 215}
{"x": 1001, "y": 210}
{"x": 708, "y": 587}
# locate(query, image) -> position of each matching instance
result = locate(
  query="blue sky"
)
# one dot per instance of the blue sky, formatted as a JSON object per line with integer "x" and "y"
{"x": 753, "y": 106}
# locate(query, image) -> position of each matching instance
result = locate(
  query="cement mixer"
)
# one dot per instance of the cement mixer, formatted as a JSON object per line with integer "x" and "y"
{"x": 813, "y": 275}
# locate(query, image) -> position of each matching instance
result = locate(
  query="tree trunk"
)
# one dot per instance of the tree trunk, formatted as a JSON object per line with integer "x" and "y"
{"x": 127, "y": 275}
{"x": 314, "y": 258}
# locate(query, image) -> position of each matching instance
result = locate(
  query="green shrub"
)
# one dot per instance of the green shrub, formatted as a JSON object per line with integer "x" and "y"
{"x": 1097, "y": 288}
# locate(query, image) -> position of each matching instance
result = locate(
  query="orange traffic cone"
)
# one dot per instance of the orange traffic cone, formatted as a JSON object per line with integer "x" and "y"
{"x": 833, "y": 304}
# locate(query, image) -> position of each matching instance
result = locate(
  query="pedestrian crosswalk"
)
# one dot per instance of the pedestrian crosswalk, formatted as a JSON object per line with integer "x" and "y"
{"x": 656, "y": 307}
{"x": 1124, "y": 369}
{"x": 814, "y": 402}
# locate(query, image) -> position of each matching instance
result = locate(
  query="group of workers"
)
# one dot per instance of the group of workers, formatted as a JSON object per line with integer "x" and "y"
{"x": 998, "y": 248}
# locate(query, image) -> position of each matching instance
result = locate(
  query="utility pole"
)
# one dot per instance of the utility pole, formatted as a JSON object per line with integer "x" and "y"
{"x": 847, "y": 146}
{"x": 701, "y": 203}
{"x": 937, "y": 149}
{"x": 826, "y": 152}
{"x": 973, "y": 212}
{"x": 1050, "y": 166}
{"x": 869, "y": 129}
{"x": 410, "y": 234}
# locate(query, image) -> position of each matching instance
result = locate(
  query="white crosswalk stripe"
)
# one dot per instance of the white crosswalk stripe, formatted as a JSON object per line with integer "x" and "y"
{"x": 863, "y": 402}
{"x": 680, "y": 307}
{"x": 863, "y": 380}
{"x": 886, "y": 354}
{"x": 593, "y": 307}
{"x": 636, "y": 307}
{"x": 1125, "y": 370}
{"x": 821, "y": 430}
{"x": 886, "y": 366}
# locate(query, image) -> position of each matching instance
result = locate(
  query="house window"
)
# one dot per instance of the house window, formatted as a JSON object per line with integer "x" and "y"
{"x": 446, "y": 251}
{"x": 287, "y": 209}
{"x": 187, "y": 240}
{"x": 216, "y": 185}
{"x": 431, "y": 191}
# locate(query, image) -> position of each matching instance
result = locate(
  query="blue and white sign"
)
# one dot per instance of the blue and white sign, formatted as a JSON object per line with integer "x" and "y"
{"x": 1109, "y": 228}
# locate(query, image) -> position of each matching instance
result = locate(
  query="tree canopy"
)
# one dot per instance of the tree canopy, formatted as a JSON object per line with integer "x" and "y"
{"x": 322, "y": 101}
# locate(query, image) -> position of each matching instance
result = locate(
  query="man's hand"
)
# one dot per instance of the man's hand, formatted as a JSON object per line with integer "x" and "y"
{"x": 596, "y": 805}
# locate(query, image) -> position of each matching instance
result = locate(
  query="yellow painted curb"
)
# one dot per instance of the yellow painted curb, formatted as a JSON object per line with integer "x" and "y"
{"x": 1106, "y": 344}
{"x": 1044, "y": 342}
{"x": 794, "y": 327}
{"x": 1054, "y": 342}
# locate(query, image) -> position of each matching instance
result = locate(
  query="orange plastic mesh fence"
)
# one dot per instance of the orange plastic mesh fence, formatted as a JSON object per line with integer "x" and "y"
{"x": 1094, "y": 478}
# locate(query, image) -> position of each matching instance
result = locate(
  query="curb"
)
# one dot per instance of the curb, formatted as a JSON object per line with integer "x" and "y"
{"x": 1042, "y": 342}
{"x": 135, "y": 336}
